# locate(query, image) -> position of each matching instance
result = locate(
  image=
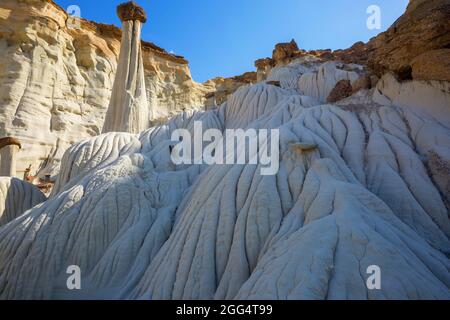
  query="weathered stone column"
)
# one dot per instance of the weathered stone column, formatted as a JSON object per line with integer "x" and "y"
{"x": 8, "y": 150}
{"x": 128, "y": 109}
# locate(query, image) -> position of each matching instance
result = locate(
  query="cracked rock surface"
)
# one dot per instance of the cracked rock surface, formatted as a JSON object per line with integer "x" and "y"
{"x": 56, "y": 79}
{"x": 356, "y": 187}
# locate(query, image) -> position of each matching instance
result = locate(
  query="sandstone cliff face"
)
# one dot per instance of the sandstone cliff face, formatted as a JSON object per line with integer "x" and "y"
{"x": 362, "y": 181}
{"x": 55, "y": 81}
{"x": 417, "y": 46}
{"x": 222, "y": 88}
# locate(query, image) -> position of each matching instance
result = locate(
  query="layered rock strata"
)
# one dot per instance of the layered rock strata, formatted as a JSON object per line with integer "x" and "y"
{"x": 56, "y": 78}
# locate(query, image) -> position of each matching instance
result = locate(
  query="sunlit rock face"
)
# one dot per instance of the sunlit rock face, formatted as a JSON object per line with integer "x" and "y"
{"x": 417, "y": 46}
{"x": 128, "y": 109}
{"x": 223, "y": 88}
{"x": 362, "y": 182}
{"x": 56, "y": 80}
{"x": 359, "y": 185}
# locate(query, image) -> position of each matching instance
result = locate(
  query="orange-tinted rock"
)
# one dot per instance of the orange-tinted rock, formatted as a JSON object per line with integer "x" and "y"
{"x": 263, "y": 63}
{"x": 411, "y": 43}
{"x": 247, "y": 77}
{"x": 326, "y": 54}
{"x": 130, "y": 11}
{"x": 285, "y": 51}
{"x": 432, "y": 65}
{"x": 364, "y": 82}
{"x": 358, "y": 53}
{"x": 416, "y": 47}
{"x": 8, "y": 141}
{"x": 222, "y": 88}
{"x": 274, "y": 83}
{"x": 263, "y": 67}
{"x": 342, "y": 90}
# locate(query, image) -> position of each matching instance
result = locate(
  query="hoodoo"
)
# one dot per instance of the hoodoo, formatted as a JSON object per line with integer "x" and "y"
{"x": 128, "y": 109}
{"x": 8, "y": 150}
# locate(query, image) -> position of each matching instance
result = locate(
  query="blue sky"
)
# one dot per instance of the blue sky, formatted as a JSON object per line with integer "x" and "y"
{"x": 225, "y": 37}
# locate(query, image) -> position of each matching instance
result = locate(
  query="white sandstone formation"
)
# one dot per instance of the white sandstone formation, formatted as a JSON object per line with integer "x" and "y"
{"x": 354, "y": 189}
{"x": 8, "y": 156}
{"x": 424, "y": 97}
{"x": 56, "y": 80}
{"x": 314, "y": 78}
{"x": 16, "y": 197}
{"x": 90, "y": 154}
{"x": 128, "y": 109}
